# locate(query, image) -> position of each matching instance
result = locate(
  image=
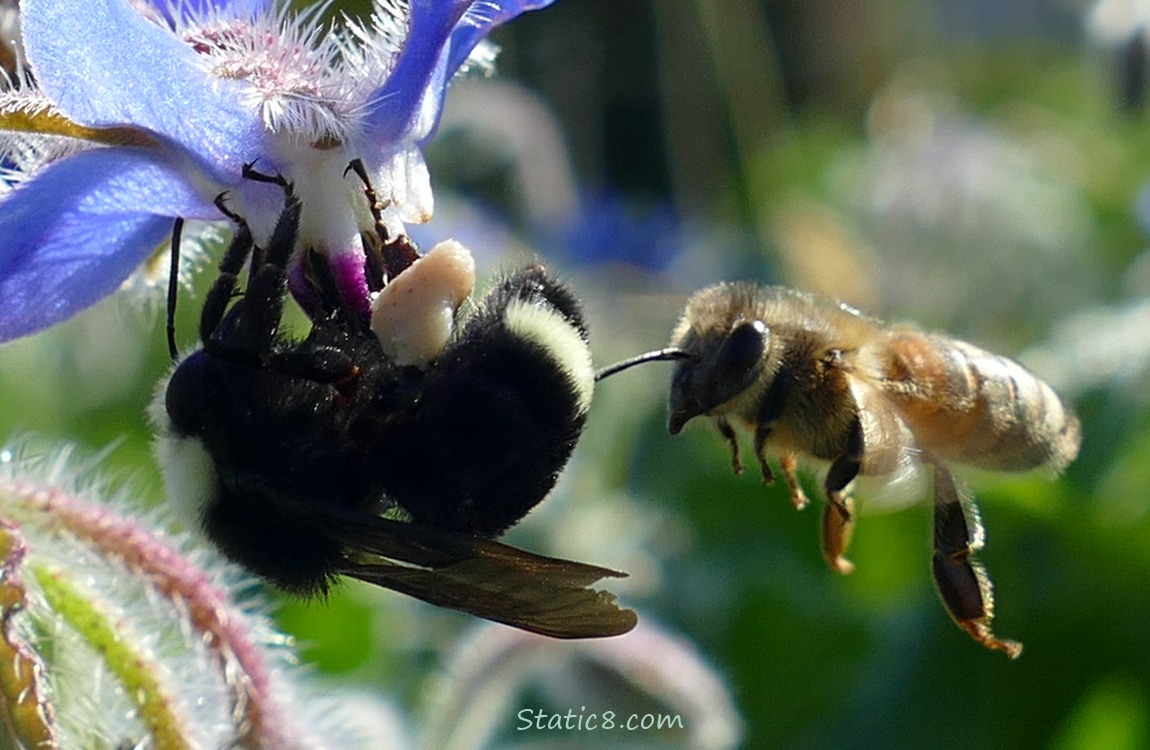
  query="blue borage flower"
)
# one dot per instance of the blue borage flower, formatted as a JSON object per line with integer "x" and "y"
{"x": 145, "y": 111}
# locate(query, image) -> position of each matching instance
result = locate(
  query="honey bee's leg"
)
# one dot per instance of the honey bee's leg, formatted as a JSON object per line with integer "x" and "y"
{"x": 838, "y": 515}
{"x": 962, "y": 581}
{"x": 732, "y": 441}
{"x": 769, "y": 410}
{"x": 762, "y": 432}
{"x": 837, "y": 527}
{"x": 789, "y": 464}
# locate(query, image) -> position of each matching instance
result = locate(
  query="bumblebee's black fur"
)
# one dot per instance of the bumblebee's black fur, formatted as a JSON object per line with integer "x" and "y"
{"x": 494, "y": 424}
{"x": 300, "y": 430}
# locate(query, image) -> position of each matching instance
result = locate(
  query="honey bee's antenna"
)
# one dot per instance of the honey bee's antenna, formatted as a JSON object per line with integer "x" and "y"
{"x": 659, "y": 355}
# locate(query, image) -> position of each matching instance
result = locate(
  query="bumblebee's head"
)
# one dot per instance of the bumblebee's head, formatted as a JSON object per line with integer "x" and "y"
{"x": 720, "y": 366}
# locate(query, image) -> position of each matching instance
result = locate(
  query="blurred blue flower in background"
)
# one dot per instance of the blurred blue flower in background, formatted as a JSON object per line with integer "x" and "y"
{"x": 605, "y": 231}
{"x": 136, "y": 113}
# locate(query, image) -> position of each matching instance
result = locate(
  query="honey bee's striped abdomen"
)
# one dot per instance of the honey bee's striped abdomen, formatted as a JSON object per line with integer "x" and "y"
{"x": 971, "y": 406}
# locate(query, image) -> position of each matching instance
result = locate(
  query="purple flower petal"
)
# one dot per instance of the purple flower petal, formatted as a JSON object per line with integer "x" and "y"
{"x": 102, "y": 63}
{"x": 74, "y": 233}
{"x": 492, "y": 13}
{"x": 442, "y": 35}
{"x": 200, "y": 8}
{"x": 420, "y": 70}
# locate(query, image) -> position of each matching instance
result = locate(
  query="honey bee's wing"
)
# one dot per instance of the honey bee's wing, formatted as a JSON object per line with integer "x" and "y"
{"x": 484, "y": 578}
{"x": 890, "y": 455}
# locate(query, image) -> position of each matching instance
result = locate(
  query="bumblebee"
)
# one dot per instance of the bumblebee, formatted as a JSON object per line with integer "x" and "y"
{"x": 391, "y": 448}
{"x": 812, "y": 379}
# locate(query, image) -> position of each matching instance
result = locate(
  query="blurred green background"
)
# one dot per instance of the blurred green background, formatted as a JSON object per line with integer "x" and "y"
{"x": 973, "y": 166}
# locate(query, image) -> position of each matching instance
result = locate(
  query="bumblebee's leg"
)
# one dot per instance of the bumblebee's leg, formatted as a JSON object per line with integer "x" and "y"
{"x": 173, "y": 286}
{"x": 838, "y": 515}
{"x": 249, "y": 336}
{"x": 224, "y": 288}
{"x": 789, "y": 464}
{"x": 732, "y": 441}
{"x": 246, "y": 332}
{"x": 267, "y": 282}
{"x": 375, "y": 206}
{"x": 962, "y": 582}
{"x": 267, "y": 287}
{"x": 377, "y": 272}
{"x": 392, "y": 255}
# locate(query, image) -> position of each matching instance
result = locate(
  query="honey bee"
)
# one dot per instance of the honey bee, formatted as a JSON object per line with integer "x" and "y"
{"x": 810, "y": 378}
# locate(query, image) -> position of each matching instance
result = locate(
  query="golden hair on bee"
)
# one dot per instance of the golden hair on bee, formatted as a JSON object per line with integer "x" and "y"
{"x": 815, "y": 379}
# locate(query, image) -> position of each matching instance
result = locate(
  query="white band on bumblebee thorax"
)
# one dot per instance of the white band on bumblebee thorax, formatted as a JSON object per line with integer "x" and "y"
{"x": 552, "y": 332}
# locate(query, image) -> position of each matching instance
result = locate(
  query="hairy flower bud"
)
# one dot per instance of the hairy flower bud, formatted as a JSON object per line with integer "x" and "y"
{"x": 116, "y": 634}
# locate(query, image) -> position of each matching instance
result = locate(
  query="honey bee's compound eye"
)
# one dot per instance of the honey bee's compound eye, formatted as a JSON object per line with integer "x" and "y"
{"x": 737, "y": 363}
{"x": 699, "y": 386}
{"x": 743, "y": 349}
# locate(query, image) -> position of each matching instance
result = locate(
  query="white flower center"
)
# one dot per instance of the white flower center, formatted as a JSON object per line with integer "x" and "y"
{"x": 309, "y": 79}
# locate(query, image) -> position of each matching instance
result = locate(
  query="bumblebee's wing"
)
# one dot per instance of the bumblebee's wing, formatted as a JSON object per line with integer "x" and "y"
{"x": 485, "y": 578}
{"x": 506, "y": 592}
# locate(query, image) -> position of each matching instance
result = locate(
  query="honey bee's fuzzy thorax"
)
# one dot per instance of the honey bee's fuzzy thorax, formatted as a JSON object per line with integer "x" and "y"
{"x": 717, "y": 308}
